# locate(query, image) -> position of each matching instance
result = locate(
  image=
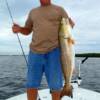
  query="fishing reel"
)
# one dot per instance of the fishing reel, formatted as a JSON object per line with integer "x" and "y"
{"x": 79, "y": 81}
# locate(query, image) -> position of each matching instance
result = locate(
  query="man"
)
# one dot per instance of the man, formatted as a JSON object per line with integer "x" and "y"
{"x": 44, "y": 54}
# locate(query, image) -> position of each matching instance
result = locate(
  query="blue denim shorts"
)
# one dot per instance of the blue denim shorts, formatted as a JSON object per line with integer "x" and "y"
{"x": 49, "y": 64}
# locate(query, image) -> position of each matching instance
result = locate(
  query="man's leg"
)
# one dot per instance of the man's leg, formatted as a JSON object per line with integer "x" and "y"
{"x": 55, "y": 95}
{"x": 32, "y": 94}
{"x": 53, "y": 73}
{"x": 34, "y": 74}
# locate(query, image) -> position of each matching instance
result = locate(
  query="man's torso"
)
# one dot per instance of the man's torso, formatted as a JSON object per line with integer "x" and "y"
{"x": 46, "y": 23}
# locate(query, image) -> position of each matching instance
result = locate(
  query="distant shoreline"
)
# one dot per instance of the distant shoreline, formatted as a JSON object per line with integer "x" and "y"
{"x": 88, "y": 55}
{"x": 76, "y": 55}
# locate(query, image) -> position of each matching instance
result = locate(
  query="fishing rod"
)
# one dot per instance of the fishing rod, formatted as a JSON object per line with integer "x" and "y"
{"x": 10, "y": 13}
{"x": 9, "y": 10}
{"x": 79, "y": 75}
{"x": 79, "y": 79}
{"x": 83, "y": 61}
{"x": 79, "y": 70}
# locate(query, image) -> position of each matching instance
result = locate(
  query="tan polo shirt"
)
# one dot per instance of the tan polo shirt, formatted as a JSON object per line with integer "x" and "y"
{"x": 44, "y": 21}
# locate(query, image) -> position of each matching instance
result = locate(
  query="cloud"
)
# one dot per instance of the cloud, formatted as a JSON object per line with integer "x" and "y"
{"x": 84, "y": 12}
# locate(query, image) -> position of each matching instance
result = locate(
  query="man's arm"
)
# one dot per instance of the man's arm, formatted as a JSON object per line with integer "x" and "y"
{"x": 27, "y": 29}
{"x": 18, "y": 29}
{"x": 65, "y": 15}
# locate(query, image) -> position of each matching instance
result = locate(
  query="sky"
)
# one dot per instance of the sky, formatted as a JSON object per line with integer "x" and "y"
{"x": 85, "y": 13}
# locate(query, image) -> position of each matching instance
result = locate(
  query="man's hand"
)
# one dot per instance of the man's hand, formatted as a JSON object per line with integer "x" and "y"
{"x": 71, "y": 22}
{"x": 16, "y": 28}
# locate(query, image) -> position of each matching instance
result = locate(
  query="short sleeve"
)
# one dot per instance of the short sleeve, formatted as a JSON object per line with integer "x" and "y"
{"x": 29, "y": 22}
{"x": 65, "y": 15}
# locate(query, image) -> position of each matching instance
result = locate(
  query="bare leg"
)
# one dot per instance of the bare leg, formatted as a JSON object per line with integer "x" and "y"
{"x": 56, "y": 95}
{"x": 32, "y": 94}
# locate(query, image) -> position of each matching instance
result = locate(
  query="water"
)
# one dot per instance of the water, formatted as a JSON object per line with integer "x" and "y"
{"x": 13, "y": 75}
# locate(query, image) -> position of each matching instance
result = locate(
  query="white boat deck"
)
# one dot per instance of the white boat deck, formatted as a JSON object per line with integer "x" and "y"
{"x": 78, "y": 94}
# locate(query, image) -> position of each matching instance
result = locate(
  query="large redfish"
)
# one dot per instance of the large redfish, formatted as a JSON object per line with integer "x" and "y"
{"x": 67, "y": 55}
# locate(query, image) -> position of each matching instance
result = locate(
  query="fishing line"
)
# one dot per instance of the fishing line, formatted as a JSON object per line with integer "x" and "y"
{"x": 8, "y": 7}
